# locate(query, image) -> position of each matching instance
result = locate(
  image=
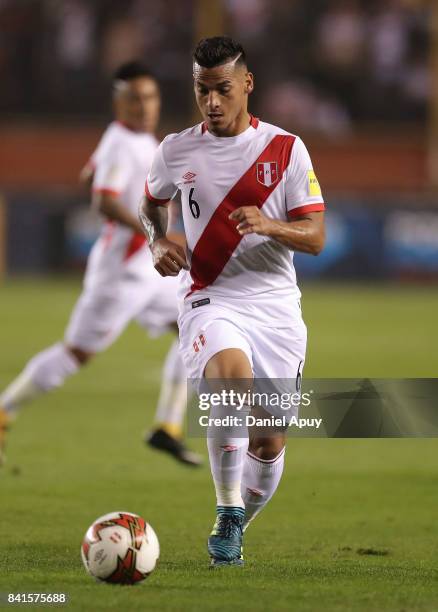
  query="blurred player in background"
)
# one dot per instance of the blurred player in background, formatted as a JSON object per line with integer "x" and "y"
{"x": 250, "y": 197}
{"x": 120, "y": 283}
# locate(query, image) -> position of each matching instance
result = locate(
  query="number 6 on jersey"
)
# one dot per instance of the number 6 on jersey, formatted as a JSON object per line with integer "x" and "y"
{"x": 194, "y": 206}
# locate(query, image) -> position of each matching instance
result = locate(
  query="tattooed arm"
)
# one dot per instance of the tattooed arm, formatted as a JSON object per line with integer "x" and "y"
{"x": 168, "y": 256}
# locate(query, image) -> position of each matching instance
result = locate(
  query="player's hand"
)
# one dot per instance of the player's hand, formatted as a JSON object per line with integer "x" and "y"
{"x": 251, "y": 221}
{"x": 168, "y": 257}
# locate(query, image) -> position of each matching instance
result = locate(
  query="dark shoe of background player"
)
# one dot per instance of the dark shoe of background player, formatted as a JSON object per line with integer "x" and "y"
{"x": 159, "y": 439}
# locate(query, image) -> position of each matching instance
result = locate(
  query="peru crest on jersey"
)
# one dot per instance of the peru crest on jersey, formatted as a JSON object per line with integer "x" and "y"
{"x": 267, "y": 173}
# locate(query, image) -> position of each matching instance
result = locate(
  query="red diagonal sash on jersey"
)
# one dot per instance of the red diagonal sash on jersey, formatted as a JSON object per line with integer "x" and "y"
{"x": 220, "y": 238}
{"x": 134, "y": 245}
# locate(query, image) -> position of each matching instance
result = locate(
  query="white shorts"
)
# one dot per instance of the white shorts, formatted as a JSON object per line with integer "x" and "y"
{"x": 102, "y": 313}
{"x": 275, "y": 351}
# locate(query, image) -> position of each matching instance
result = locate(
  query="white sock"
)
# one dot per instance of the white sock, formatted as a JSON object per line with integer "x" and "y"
{"x": 227, "y": 459}
{"x": 172, "y": 402}
{"x": 260, "y": 480}
{"x": 45, "y": 371}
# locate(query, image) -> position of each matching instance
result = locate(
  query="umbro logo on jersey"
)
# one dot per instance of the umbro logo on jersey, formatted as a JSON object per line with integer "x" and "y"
{"x": 267, "y": 173}
{"x": 188, "y": 177}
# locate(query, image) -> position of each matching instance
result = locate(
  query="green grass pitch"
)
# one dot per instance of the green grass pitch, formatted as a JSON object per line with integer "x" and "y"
{"x": 352, "y": 527}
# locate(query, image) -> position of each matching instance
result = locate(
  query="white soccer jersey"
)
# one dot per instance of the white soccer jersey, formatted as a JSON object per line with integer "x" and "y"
{"x": 120, "y": 161}
{"x": 263, "y": 166}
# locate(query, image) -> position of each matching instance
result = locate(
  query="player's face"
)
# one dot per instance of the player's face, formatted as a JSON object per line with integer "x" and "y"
{"x": 137, "y": 104}
{"x": 222, "y": 96}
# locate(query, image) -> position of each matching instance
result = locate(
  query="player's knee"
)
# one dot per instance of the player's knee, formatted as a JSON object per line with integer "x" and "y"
{"x": 229, "y": 363}
{"x": 267, "y": 448}
{"x": 81, "y": 356}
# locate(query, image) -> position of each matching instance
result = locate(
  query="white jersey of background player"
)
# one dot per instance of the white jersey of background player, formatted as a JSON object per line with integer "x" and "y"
{"x": 249, "y": 198}
{"x": 120, "y": 282}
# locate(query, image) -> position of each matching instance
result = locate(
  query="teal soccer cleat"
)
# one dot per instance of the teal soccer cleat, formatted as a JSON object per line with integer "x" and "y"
{"x": 225, "y": 541}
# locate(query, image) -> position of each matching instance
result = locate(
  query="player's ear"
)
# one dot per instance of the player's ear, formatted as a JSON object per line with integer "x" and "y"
{"x": 249, "y": 82}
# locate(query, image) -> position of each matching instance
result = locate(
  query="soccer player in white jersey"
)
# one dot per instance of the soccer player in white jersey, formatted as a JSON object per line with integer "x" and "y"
{"x": 250, "y": 198}
{"x": 120, "y": 282}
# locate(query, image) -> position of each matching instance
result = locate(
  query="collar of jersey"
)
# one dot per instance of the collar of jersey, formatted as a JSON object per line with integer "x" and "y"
{"x": 224, "y": 140}
{"x": 129, "y": 129}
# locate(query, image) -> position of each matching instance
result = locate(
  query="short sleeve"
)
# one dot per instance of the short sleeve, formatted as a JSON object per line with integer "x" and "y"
{"x": 99, "y": 151}
{"x": 113, "y": 170}
{"x": 159, "y": 186}
{"x": 303, "y": 193}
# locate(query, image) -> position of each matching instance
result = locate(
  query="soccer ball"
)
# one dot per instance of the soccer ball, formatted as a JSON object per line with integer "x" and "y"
{"x": 121, "y": 548}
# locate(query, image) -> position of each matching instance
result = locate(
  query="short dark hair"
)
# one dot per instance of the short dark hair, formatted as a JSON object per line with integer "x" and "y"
{"x": 132, "y": 70}
{"x": 218, "y": 50}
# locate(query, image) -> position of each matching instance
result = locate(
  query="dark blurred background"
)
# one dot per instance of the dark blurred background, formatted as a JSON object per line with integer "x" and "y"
{"x": 355, "y": 78}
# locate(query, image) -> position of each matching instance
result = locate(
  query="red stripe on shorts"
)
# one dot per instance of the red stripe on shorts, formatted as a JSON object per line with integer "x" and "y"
{"x": 220, "y": 238}
{"x": 107, "y": 236}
